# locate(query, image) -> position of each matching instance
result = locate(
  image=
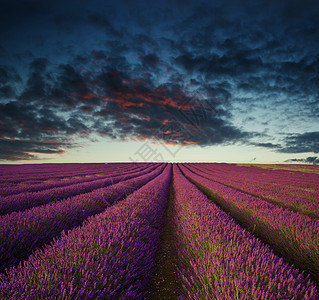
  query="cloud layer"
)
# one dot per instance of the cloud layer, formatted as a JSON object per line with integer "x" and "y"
{"x": 198, "y": 74}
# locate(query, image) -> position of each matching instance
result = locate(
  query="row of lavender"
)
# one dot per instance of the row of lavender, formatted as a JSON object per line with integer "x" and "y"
{"x": 295, "y": 180}
{"x": 294, "y": 236}
{"x": 307, "y": 205}
{"x": 23, "y": 201}
{"x": 217, "y": 259}
{"x": 220, "y": 260}
{"x": 53, "y": 169}
{"x": 296, "y": 183}
{"x": 22, "y": 232}
{"x": 22, "y": 174}
{"x": 75, "y": 178}
{"x": 109, "y": 257}
{"x": 295, "y": 167}
{"x": 51, "y": 173}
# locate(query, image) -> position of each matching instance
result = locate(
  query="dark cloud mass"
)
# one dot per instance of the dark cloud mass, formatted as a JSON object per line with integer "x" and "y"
{"x": 300, "y": 143}
{"x": 309, "y": 160}
{"x": 101, "y": 21}
{"x": 174, "y": 72}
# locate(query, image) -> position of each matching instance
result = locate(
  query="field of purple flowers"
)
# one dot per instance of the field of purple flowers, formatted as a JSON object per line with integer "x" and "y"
{"x": 158, "y": 231}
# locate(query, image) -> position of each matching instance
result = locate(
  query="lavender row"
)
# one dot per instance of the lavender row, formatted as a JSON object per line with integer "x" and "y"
{"x": 290, "y": 179}
{"x": 48, "y": 185}
{"x": 23, "y": 201}
{"x": 271, "y": 181}
{"x": 50, "y": 169}
{"x": 27, "y": 182}
{"x": 109, "y": 257}
{"x": 59, "y": 174}
{"x": 293, "y": 235}
{"x": 308, "y": 207}
{"x": 63, "y": 172}
{"x": 282, "y": 177}
{"x": 41, "y": 178}
{"x": 37, "y": 187}
{"x": 220, "y": 260}
{"x": 22, "y": 232}
{"x": 288, "y": 190}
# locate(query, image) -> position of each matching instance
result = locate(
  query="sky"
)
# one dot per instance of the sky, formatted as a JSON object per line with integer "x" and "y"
{"x": 177, "y": 80}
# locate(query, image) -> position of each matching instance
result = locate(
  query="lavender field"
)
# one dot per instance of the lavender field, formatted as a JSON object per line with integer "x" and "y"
{"x": 159, "y": 231}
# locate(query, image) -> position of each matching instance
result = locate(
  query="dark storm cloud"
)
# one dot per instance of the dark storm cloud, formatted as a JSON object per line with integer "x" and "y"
{"x": 139, "y": 108}
{"x": 26, "y": 129}
{"x": 69, "y": 87}
{"x": 28, "y": 149}
{"x": 172, "y": 72}
{"x": 150, "y": 60}
{"x": 62, "y": 86}
{"x": 8, "y": 77}
{"x": 309, "y": 160}
{"x": 6, "y": 91}
{"x": 300, "y": 143}
{"x": 101, "y": 21}
{"x": 295, "y": 143}
{"x": 23, "y": 121}
{"x": 243, "y": 47}
{"x": 4, "y": 77}
{"x": 267, "y": 145}
{"x": 36, "y": 85}
{"x": 229, "y": 65}
{"x": 123, "y": 106}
